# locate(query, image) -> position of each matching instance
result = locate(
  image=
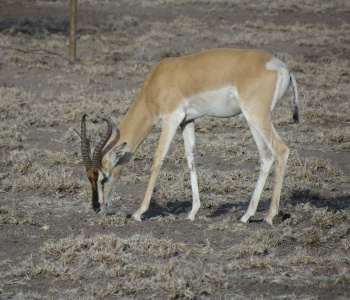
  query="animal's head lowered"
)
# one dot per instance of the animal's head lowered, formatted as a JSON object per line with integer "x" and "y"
{"x": 101, "y": 171}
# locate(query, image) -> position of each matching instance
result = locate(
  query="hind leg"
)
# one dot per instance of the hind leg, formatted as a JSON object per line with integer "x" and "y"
{"x": 270, "y": 146}
{"x": 266, "y": 161}
{"x": 281, "y": 153}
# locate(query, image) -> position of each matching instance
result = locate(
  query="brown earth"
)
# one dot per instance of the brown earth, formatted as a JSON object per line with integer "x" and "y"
{"x": 30, "y": 217}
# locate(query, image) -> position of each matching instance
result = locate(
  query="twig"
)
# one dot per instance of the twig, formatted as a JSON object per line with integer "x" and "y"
{"x": 34, "y": 50}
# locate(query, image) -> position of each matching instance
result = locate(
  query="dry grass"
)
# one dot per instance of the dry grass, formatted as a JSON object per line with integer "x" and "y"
{"x": 62, "y": 251}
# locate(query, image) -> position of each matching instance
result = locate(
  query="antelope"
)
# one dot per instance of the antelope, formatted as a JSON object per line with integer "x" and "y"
{"x": 219, "y": 83}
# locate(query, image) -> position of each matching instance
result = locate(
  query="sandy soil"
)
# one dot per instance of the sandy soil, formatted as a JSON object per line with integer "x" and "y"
{"x": 39, "y": 216}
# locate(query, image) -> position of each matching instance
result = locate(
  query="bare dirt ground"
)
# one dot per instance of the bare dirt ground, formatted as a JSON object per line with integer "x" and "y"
{"x": 53, "y": 246}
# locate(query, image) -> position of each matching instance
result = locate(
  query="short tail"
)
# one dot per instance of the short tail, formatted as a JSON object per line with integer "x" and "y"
{"x": 296, "y": 99}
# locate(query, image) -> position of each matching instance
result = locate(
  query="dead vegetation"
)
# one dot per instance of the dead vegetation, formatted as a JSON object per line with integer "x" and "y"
{"x": 53, "y": 246}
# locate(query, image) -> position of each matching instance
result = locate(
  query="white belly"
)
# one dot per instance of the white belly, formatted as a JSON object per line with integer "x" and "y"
{"x": 222, "y": 103}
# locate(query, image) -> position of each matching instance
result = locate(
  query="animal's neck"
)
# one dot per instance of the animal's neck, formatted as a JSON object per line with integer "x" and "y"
{"x": 133, "y": 128}
{"x": 136, "y": 125}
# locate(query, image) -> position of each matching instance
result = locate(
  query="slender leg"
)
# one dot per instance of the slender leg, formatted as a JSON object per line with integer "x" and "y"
{"x": 166, "y": 137}
{"x": 266, "y": 160}
{"x": 188, "y": 134}
{"x": 282, "y": 153}
{"x": 270, "y": 145}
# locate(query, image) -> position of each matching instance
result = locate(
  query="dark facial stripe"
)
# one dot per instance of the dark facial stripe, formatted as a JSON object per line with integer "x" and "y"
{"x": 93, "y": 176}
{"x": 95, "y": 203}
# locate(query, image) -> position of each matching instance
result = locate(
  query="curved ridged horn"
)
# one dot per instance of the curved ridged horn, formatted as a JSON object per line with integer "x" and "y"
{"x": 85, "y": 145}
{"x": 96, "y": 158}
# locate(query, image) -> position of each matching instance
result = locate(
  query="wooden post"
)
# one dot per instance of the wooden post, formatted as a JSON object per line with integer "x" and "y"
{"x": 72, "y": 31}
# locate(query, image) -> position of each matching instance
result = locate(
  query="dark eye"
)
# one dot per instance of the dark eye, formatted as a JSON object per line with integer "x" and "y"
{"x": 104, "y": 180}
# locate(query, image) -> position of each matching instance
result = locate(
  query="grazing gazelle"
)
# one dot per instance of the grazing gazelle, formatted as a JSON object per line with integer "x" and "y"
{"x": 218, "y": 83}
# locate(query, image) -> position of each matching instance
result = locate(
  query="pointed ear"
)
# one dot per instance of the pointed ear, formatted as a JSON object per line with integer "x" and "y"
{"x": 117, "y": 153}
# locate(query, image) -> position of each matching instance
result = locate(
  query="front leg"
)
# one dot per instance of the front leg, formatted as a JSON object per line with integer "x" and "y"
{"x": 188, "y": 133}
{"x": 166, "y": 137}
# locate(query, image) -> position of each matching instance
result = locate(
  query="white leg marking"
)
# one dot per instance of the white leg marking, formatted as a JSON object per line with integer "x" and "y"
{"x": 188, "y": 134}
{"x": 266, "y": 160}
